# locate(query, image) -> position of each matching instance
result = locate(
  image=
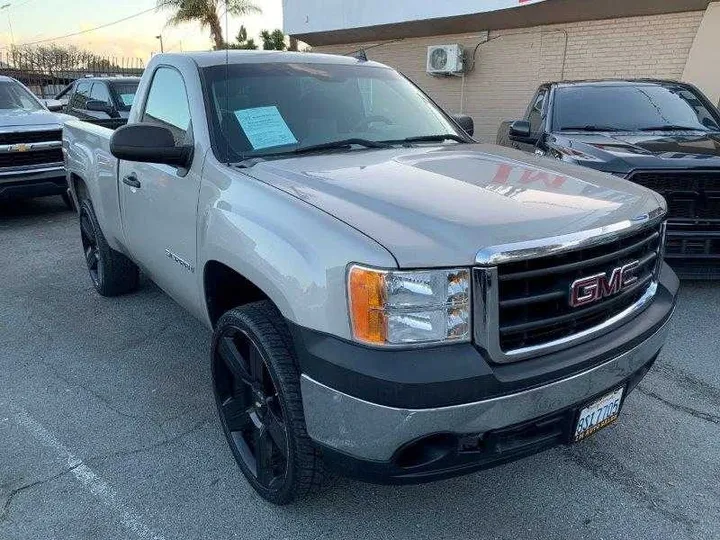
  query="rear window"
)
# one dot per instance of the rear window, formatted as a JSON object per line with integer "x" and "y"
{"x": 630, "y": 108}
{"x": 125, "y": 94}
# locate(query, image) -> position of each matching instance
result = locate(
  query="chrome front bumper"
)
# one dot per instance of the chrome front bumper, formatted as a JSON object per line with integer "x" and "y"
{"x": 373, "y": 432}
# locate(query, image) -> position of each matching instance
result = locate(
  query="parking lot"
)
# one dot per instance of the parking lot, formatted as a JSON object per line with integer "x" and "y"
{"x": 108, "y": 430}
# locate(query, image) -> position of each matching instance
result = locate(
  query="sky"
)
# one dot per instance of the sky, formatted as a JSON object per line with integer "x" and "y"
{"x": 33, "y": 20}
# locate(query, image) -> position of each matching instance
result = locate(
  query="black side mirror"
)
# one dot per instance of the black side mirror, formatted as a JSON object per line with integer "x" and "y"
{"x": 466, "y": 122}
{"x": 149, "y": 144}
{"x": 520, "y": 129}
{"x": 98, "y": 106}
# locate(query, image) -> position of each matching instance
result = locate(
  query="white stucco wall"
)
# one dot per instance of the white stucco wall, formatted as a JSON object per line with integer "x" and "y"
{"x": 305, "y": 16}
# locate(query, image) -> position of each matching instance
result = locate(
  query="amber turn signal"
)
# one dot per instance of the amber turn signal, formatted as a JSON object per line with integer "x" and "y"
{"x": 366, "y": 288}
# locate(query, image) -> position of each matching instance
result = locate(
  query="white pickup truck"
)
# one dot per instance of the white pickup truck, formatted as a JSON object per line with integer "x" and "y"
{"x": 389, "y": 299}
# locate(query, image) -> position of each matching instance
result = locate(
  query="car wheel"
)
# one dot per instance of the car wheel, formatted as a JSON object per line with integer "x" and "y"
{"x": 111, "y": 272}
{"x": 257, "y": 390}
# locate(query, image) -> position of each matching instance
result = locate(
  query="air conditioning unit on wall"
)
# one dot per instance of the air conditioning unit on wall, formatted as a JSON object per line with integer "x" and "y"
{"x": 445, "y": 59}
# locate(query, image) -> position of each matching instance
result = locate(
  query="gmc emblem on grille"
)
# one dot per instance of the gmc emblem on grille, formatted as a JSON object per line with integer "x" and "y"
{"x": 590, "y": 289}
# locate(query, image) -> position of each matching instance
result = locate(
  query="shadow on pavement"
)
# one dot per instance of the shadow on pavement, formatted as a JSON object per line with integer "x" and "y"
{"x": 28, "y": 208}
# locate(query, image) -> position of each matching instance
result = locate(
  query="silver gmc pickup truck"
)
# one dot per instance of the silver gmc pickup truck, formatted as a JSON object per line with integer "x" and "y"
{"x": 389, "y": 299}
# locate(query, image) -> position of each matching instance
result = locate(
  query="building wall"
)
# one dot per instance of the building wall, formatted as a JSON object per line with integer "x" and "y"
{"x": 703, "y": 67}
{"x": 510, "y": 64}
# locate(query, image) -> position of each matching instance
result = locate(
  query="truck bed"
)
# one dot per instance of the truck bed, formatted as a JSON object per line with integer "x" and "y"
{"x": 87, "y": 156}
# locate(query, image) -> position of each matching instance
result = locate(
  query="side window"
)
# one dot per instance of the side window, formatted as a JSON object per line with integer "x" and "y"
{"x": 536, "y": 111}
{"x": 100, "y": 92}
{"x": 81, "y": 95}
{"x": 167, "y": 103}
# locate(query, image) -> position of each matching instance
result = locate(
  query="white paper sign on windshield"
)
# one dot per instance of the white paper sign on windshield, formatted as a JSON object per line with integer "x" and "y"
{"x": 265, "y": 127}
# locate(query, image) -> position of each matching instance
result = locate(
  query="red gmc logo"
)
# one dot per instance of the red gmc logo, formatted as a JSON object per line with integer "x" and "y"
{"x": 590, "y": 289}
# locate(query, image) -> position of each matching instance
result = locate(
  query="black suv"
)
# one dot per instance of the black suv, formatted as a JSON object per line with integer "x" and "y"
{"x": 664, "y": 135}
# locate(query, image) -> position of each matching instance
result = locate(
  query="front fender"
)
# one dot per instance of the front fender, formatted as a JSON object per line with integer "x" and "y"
{"x": 295, "y": 253}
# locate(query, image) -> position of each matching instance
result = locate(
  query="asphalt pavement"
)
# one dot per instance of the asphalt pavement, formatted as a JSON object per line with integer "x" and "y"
{"x": 108, "y": 430}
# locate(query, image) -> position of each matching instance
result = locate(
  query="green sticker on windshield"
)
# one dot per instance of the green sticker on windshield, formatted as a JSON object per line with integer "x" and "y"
{"x": 265, "y": 127}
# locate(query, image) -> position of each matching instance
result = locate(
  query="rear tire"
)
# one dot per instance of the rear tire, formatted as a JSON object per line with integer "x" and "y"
{"x": 257, "y": 390}
{"x": 111, "y": 272}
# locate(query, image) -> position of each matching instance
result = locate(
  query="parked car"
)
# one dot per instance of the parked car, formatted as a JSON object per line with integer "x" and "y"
{"x": 664, "y": 135}
{"x": 388, "y": 298}
{"x": 101, "y": 100}
{"x": 31, "y": 158}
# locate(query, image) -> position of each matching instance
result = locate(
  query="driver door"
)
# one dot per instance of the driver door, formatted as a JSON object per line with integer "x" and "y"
{"x": 159, "y": 202}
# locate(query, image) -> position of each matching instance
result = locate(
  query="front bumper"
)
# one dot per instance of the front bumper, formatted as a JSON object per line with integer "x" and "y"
{"x": 33, "y": 182}
{"x": 693, "y": 248}
{"x": 382, "y": 440}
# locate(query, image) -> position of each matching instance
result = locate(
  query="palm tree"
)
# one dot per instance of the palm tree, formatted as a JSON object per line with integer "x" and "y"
{"x": 207, "y": 13}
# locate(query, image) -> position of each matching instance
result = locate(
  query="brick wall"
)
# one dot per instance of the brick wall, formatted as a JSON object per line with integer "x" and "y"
{"x": 512, "y": 63}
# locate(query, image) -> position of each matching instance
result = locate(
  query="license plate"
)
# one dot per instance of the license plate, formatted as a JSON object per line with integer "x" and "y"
{"x": 598, "y": 414}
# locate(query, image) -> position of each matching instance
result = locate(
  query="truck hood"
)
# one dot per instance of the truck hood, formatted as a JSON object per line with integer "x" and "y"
{"x": 438, "y": 206}
{"x": 625, "y": 152}
{"x": 22, "y": 118}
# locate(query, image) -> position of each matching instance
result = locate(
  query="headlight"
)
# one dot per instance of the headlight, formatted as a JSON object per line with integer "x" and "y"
{"x": 390, "y": 307}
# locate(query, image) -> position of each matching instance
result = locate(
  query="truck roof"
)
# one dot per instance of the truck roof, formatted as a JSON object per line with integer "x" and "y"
{"x": 217, "y": 58}
{"x": 111, "y": 78}
{"x": 614, "y": 82}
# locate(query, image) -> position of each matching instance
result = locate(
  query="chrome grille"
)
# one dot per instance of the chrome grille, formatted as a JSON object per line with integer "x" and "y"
{"x": 31, "y": 157}
{"x": 524, "y": 307}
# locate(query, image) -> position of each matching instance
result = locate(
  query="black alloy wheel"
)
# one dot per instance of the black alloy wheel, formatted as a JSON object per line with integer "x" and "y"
{"x": 257, "y": 390}
{"x": 88, "y": 235}
{"x": 250, "y": 409}
{"x": 111, "y": 272}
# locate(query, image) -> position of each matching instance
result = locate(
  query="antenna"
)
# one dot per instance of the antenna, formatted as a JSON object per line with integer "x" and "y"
{"x": 227, "y": 84}
{"x": 360, "y": 55}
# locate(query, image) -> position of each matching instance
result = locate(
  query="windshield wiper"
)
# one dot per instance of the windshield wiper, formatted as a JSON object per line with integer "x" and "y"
{"x": 673, "y": 127}
{"x": 591, "y": 127}
{"x": 430, "y": 138}
{"x": 345, "y": 143}
{"x": 334, "y": 145}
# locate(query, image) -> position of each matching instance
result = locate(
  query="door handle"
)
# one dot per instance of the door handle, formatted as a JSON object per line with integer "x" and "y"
{"x": 132, "y": 181}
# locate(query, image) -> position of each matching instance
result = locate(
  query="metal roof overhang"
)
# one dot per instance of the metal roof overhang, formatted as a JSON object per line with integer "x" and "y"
{"x": 542, "y": 13}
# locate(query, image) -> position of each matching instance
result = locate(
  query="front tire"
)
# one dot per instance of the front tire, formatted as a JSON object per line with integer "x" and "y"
{"x": 257, "y": 390}
{"x": 111, "y": 272}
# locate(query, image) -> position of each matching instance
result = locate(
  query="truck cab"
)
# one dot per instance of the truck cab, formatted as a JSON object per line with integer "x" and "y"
{"x": 105, "y": 100}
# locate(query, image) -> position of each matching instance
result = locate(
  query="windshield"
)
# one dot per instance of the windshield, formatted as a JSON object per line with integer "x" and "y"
{"x": 630, "y": 108}
{"x": 261, "y": 109}
{"x": 125, "y": 94}
{"x": 13, "y": 96}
